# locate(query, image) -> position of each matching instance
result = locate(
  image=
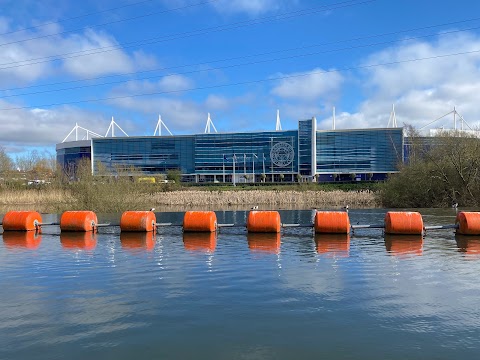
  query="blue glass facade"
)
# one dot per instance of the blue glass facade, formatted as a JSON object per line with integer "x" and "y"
{"x": 69, "y": 154}
{"x": 148, "y": 155}
{"x": 244, "y": 154}
{"x": 280, "y": 155}
{"x": 306, "y": 128}
{"x": 364, "y": 153}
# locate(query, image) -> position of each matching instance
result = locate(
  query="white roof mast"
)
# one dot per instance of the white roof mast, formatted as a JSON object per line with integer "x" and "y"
{"x": 393, "y": 118}
{"x": 278, "y": 126}
{"x": 160, "y": 123}
{"x": 209, "y": 125}
{"x": 88, "y": 133}
{"x": 112, "y": 126}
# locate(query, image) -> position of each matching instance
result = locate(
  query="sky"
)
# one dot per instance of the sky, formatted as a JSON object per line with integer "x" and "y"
{"x": 69, "y": 62}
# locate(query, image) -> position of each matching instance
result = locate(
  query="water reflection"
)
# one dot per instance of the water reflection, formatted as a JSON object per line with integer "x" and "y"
{"x": 109, "y": 303}
{"x": 468, "y": 244}
{"x": 404, "y": 244}
{"x": 333, "y": 244}
{"x": 78, "y": 240}
{"x": 203, "y": 242}
{"x": 263, "y": 242}
{"x": 138, "y": 240}
{"x": 22, "y": 239}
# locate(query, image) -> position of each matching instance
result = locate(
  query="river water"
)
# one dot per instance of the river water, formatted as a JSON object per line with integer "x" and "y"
{"x": 238, "y": 296}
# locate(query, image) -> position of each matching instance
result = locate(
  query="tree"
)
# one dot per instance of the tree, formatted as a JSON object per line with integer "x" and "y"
{"x": 6, "y": 163}
{"x": 263, "y": 176}
{"x": 281, "y": 176}
{"x": 174, "y": 175}
{"x": 444, "y": 169}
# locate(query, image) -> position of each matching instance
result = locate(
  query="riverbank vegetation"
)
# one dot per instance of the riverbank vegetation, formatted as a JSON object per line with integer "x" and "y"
{"x": 441, "y": 170}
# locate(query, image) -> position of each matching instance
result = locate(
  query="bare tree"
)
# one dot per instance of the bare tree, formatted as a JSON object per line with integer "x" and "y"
{"x": 6, "y": 163}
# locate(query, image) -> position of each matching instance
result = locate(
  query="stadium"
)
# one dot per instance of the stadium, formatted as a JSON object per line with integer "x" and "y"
{"x": 305, "y": 154}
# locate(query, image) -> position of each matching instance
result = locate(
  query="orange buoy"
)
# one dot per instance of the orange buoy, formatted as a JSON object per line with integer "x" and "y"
{"x": 21, "y": 221}
{"x": 468, "y": 223}
{"x": 78, "y": 221}
{"x": 332, "y": 222}
{"x": 86, "y": 240}
{"x": 200, "y": 221}
{"x": 403, "y": 222}
{"x": 138, "y": 221}
{"x": 197, "y": 241}
{"x": 264, "y": 242}
{"x": 263, "y": 222}
{"x": 334, "y": 244}
{"x": 138, "y": 240}
{"x": 22, "y": 239}
{"x": 404, "y": 244}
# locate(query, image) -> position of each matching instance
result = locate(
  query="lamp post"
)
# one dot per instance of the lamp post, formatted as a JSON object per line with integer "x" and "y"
{"x": 224, "y": 168}
{"x": 254, "y": 156}
{"x": 233, "y": 180}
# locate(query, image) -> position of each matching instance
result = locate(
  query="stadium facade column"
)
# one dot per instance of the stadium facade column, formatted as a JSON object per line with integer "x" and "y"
{"x": 314, "y": 147}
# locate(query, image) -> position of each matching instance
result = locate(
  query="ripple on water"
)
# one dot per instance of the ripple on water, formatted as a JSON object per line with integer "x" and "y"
{"x": 239, "y": 295}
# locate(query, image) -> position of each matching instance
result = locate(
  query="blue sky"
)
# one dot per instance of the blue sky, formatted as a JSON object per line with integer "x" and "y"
{"x": 239, "y": 60}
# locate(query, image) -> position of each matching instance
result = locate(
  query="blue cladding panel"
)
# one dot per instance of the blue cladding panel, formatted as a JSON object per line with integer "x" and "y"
{"x": 213, "y": 152}
{"x": 69, "y": 157}
{"x": 359, "y": 151}
{"x": 305, "y": 146}
{"x": 150, "y": 155}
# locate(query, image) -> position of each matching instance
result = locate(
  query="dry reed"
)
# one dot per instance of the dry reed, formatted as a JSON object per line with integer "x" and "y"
{"x": 114, "y": 200}
{"x": 270, "y": 198}
{"x": 34, "y": 197}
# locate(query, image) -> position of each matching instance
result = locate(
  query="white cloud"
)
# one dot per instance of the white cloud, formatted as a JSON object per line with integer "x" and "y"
{"x": 251, "y": 7}
{"x": 309, "y": 86}
{"x": 170, "y": 83}
{"x": 46, "y": 49}
{"x": 179, "y": 115}
{"x": 111, "y": 62}
{"x": 175, "y": 83}
{"x": 422, "y": 90}
{"x": 217, "y": 102}
{"x": 42, "y": 127}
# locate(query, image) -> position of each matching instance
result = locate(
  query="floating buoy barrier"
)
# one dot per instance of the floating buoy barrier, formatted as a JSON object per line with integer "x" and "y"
{"x": 404, "y": 244}
{"x": 74, "y": 240}
{"x": 138, "y": 240}
{"x": 200, "y": 241}
{"x": 82, "y": 221}
{"x": 22, "y": 239}
{"x": 325, "y": 224}
{"x": 264, "y": 242}
{"x": 403, "y": 223}
{"x": 138, "y": 221}
{"x": 334, "y": 244}
{"x": 263, "y": 222}
{"x": 332, "y": 222}
{"x": 200, "y": 221}
{"x": 21, "y": 221}
{"x": 468, "y": 223}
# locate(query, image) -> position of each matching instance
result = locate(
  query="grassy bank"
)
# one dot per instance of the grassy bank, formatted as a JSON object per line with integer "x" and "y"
{"x": 120, "y": 196}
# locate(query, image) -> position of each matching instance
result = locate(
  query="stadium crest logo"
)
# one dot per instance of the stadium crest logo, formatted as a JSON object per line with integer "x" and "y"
{"x": 282, "y": 154}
